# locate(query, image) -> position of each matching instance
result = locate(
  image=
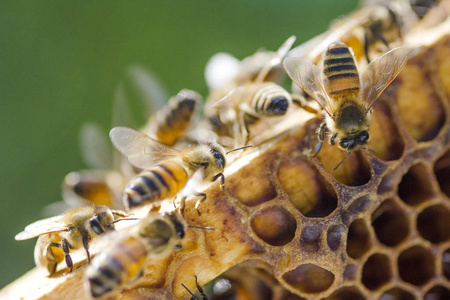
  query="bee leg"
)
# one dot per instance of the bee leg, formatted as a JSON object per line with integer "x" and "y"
{"x": 302, "y": 103}
{"x": 51, "y": 260}
{"x": 333, "y": 137}
{"x": 320, "y": 137}
{"x": 182, "y": 205}
{"x": 202, "y": 199}
{"x": 85, "y": 239}
{"x": 200, "y": 290}
{"x": 65, "y": 248}
{"x": 222, "y": 180}
{"x": 245, "y": 135}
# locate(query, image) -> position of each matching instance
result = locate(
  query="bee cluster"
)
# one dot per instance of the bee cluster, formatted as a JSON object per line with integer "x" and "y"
{"x": 292, "y": 217}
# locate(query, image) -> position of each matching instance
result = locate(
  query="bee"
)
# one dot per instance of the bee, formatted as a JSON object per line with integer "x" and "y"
{"x": 256, "y": 98}
{"x": 103, "y": 185}
{"x": 369, "y": 29}
{"x": 71, "y": 230}
{"x": 346, "y": 97}
{"x": 172, "y": 121}
{"x": 166, "y": 169}
{"x": 122, "y": 263}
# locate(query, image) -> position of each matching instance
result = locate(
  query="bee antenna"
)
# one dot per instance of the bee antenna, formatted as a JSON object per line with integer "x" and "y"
{"x": 127, "y": 219}
{"x": 342, "y": 161}
{"x": 240, "y": 148}
{"x": 199, "y": 227}
{"x": 188, "y": 291}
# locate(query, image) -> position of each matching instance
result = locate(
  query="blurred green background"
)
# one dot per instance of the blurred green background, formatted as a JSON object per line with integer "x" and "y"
{"x": 60, "y": 63}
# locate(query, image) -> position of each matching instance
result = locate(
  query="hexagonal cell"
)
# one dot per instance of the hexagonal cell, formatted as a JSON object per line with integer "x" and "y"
{"x": 442, "y": 172}
{"x": 446, "y": 263}
{"x": 376, "y": 271}
{"x": 358, "y": 240}
{"x": 390, "y": 223}
{"x": 396, "y": 294}
{"x": 274, "y": 225}
{"x": 389, "y": 144}
{"x": 415, "y": 186}
{"x": 334, "y": 237}
{"x": 251, "y": 187}
{"x": 350, "y": 272}
{"x": 309, "y": 278}
{"x": 307, "y": 189}
{"x": 433, "y": 224}
{"x": 310, "y": 238}
{"x": 416, "y": 87}
{"x": 354, "y": 170}
{"x": 437, "y": 293}
{"x": 346, "y": 293}
{"x": 416, "y": 265}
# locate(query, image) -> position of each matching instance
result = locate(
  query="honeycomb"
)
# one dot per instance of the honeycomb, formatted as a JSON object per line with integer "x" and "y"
{"x": 289, "y": 227}
{"x": 377, "y": 227}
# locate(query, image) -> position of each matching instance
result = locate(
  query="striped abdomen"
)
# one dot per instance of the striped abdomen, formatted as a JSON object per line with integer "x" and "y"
{"x": 121, "y": 264}
{"x": 162, "y": 181}
{"x": 172, "y": 122}
{"x": 267, "y": 98}
{"x": 341, "y": 74}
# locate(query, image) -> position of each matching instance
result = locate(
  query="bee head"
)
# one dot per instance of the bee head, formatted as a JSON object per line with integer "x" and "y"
{"x": 102, "y": 221}
{"x": 219, "y": 158}
{"x": 350, "y": 144}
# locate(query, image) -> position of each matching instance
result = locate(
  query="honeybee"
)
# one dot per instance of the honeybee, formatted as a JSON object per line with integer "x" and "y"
{"x": 156, "y": 237}
{"x": 346, "y": 97}
{"x": 167, "y": 169}
{"x": 254, "y": 99}
{"x": 369, "y": 29}
{"x": 71, "y": 230}
{"x": 172, "y": 121}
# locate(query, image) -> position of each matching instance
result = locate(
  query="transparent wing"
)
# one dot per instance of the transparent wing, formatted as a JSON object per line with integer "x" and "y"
{"x": 309, "y": 78}
{"x": 380, "y": 73}
{"x": 95, "y": 147}
{"x": 148, "y": 88}
{"x": 141, "y": 150}
{"x": 276, "y": 59}
{"x": 44, "y": 226}
{"x": 231, "y": 100}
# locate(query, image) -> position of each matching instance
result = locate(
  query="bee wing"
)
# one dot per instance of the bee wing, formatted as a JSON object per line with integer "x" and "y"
{"x": 148, "y": 87}
{"x": 380, "y": 73}
{"x": 231, "y": 100}
{"x": 44, "y": 226}
{"x": 309, "y": 78}
{"x": 279, "y": 55}
{"x": 141, "y": 150}
{"x": 95, "y": 147}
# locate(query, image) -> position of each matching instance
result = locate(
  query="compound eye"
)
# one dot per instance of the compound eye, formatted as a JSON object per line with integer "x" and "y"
{"x": 364, "y": 136}
{"x": 180, "y": 230}
{"x": 347, "y": 144}
{"x": 95, "y": 225}
{"x": 219, "y": 158}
